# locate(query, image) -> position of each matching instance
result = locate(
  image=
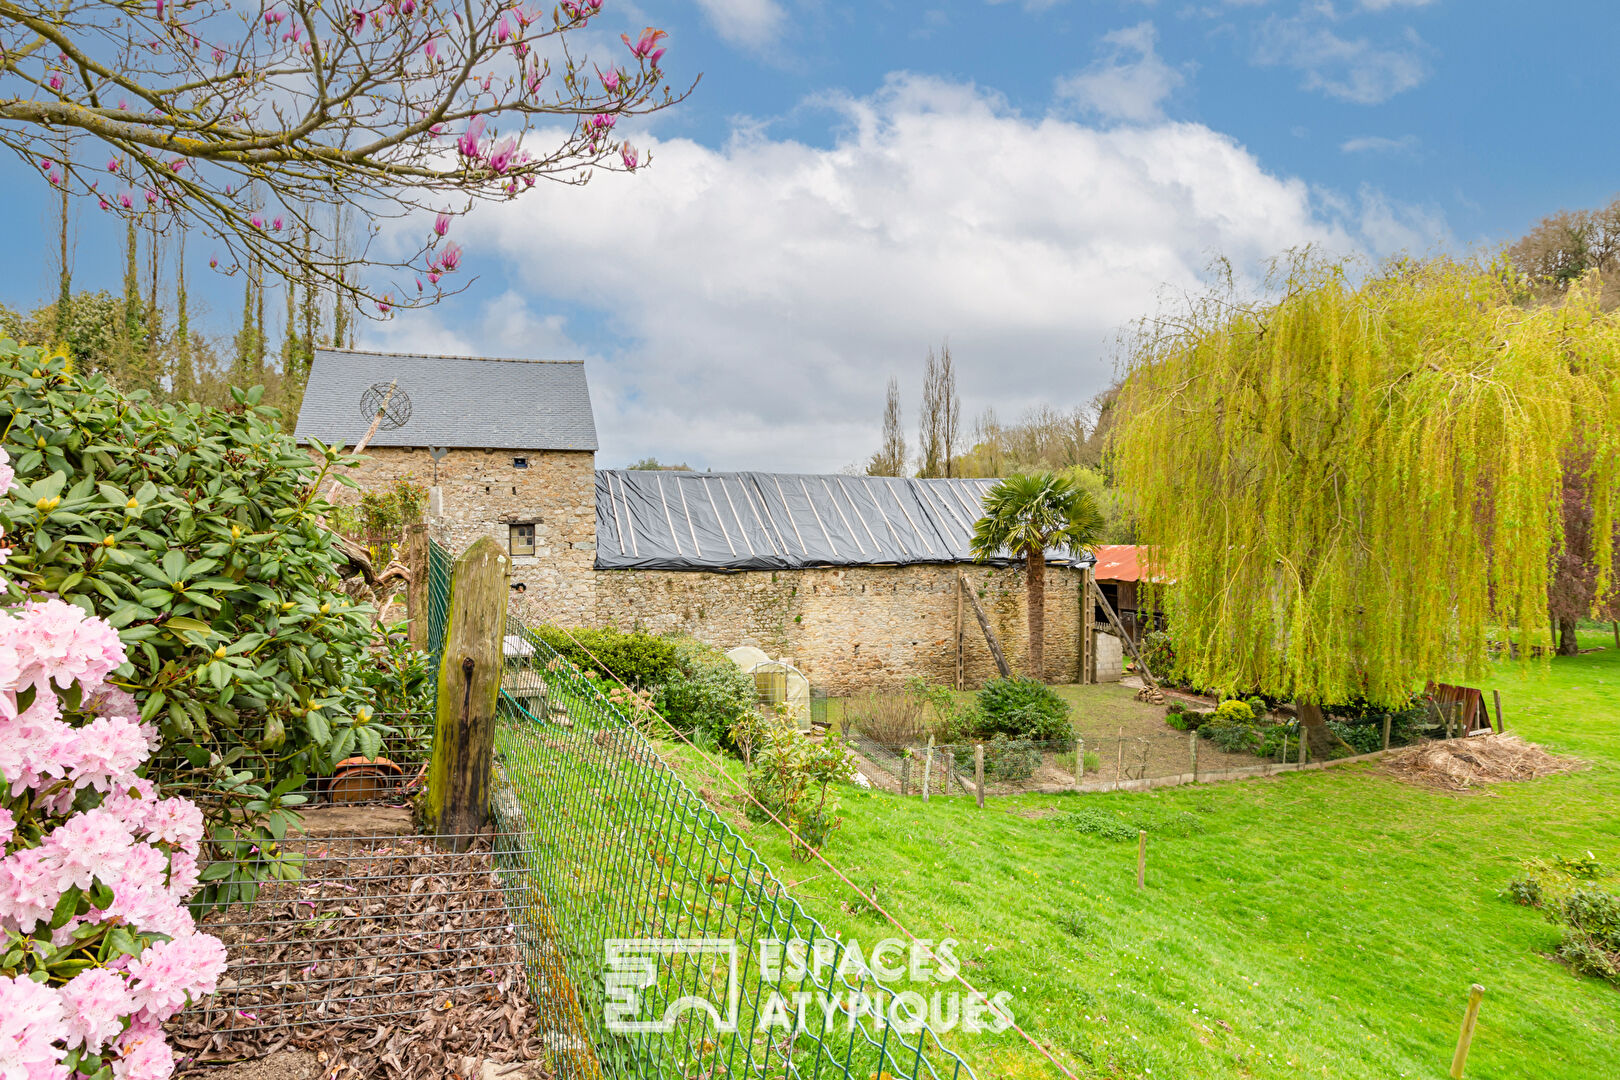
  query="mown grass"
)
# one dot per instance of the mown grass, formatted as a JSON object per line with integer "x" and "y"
{"x": 1321, "y": 924}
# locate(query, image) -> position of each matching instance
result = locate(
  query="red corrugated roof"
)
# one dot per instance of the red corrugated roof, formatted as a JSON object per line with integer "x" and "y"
{"x": 1117, "y": 562}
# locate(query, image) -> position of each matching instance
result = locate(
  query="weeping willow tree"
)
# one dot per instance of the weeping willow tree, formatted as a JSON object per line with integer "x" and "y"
{"x": 1349, "y": 490}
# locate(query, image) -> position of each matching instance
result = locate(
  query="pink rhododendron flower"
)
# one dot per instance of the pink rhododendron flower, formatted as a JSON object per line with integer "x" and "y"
{"x": 7, "y": 475}
{"x": 95, "y": 1002}
{"x": 169, "y": 972}
{"x": 57, "y": 642}
{"x": 31, "y": 1025}
{"x": 146, "y": 1056}
{"x": 8, "y": 824}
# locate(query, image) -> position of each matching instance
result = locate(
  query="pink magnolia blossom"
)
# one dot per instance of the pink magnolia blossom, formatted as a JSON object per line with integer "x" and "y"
{"x": 434, "y": 276}
{"x": 125, "y": 201}
{"x": 628, "y": 155}
{"x": 219, "y": 55}
{"x": 56, "y": 82}
{"x": 467, "y": 144}
{"x": 503, "y": 31}
{"x": 256, "y": 221}
{"x": 643, "y": 47}
{"x": 502, "y": 156}
{"x": 610, "y": 79}
{"x": 386, "y": 304}
{"x": 431, "y": 49}
{"x": 275, "y": 226}
{"x": 112, "y": 165}
{"x": 441, "y": 224}
{"x": 603, "y": 121}
{"x": 450, "y": 258}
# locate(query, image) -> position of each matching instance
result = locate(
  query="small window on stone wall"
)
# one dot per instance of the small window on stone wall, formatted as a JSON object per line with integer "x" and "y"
{"x": 522, "y": 537}
{"x": 520, "y": 463}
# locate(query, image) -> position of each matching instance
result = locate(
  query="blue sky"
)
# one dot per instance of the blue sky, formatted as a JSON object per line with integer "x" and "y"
{"x": 852, "y": 183}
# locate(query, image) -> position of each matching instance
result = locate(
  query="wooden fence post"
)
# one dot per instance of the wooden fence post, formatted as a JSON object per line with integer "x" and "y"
{"x": 1466, "y": 1037}
{"x": 905, "y": 772}
{"x": 928, "y": 768}
{"x": 1192, "y": 748}
{"x": 1141, "y": 858}
{"x": 978, "y": 773}
{"x": 416, "y": 590}
{"x": 458, "y": 787}
{"x": 1119, "y": 761}
{"x": 1496, "y": 695}
{"x": 1079, "y": 760}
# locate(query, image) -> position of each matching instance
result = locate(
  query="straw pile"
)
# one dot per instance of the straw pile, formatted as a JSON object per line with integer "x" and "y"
{"x": 1460, "y": 764}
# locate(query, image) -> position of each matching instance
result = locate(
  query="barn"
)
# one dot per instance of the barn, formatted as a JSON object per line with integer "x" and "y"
{"x": 860, "y": 582}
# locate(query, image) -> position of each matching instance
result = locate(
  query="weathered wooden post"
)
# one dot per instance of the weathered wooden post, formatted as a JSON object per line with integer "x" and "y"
{"x": 905, "y": 772}
{"x": 928, "y": 768}
{"x": 978, "y": 773}
{"x": 1141, "y": 858}
{"x": 1496, "y": 695}
{"x": 1079, "y": 760}
{"x": 1466, "y": 1038}
{"x": 458, "y": 788}
{"x": 1192, "y": 749}
{"x": 416, "y": 591}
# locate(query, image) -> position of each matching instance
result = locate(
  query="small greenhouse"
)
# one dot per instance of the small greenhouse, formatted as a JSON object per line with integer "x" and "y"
{"x": 777, "y": 683}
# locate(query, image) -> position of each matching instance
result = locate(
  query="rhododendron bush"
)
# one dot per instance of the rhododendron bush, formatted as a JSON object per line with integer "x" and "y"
{"x": 97, "y": 948}
{"x": 196, "y": 534}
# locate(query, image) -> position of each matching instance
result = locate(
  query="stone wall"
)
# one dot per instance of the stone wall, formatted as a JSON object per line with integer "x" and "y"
{"x": 483, "y": 494}
{"x": 847, "y": 629}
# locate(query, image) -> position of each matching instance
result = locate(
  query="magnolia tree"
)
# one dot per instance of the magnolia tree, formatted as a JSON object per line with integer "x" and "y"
{"x": 256, "y": 121}
{"x": 97, "y": 949}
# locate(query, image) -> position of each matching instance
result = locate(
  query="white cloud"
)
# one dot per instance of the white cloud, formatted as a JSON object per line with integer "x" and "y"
{"x": 1379, "y": 144}
{"x": 1385, "y": 5}
{"x": 750, "y": 23}
{"x": 1035, "y": 6}
{"x": 1129, "y": 82}
{"x": 754, "y": 298}
{"x": 1350, "y": 69}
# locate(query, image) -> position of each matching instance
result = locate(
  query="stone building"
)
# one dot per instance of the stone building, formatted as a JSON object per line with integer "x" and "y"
{"x": 855, "y": 579}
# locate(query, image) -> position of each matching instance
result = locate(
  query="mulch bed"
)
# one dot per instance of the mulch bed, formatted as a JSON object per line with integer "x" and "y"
{"x": 389, "y": 959}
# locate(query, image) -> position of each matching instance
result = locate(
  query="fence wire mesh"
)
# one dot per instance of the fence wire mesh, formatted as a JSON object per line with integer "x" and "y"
{"x": 625, "y": 851}
{"x": 440, "y": 566}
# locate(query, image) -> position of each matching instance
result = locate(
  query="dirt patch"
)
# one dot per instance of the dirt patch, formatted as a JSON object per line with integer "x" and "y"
{"x": 281, "y": 1065}
{"x": 1035, "y": 813}
{"x": 1462, "y": 764}
{"x": 329, "y": 821}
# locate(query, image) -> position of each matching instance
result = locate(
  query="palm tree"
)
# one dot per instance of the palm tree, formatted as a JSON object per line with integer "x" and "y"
{"x": 1028, "y": 515}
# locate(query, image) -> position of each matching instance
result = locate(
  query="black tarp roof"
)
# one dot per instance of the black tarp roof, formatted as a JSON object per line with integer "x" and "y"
{"x": 669, "y": 520}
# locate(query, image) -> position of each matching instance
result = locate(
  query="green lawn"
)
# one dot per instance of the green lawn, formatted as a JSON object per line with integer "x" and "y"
{"x": 1321, "y": 924}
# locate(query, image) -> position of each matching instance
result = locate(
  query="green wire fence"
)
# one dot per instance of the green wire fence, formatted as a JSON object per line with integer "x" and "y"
{"x": 639, "y": 901}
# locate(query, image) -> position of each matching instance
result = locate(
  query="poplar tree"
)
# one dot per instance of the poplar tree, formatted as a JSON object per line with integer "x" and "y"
{"x": 1351, "y": 490}
{"x": 891, "y": 459}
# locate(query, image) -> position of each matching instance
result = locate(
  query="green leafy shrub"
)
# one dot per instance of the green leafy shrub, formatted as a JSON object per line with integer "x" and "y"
{"x": 642, "y": 660}
{"x": 1258, "y": 707}
{"x": 792, "y": 778}
{"x": 197, "y": 533}
{"x": 1023, "y": 708}
{"x": 1126, "y": 825}
{"x": 1159, "y": 654}
{"x": 705, "y": 691}
{"x": 1525, "y": 890}
{"x": 1595, "y": 913}
{"x": 1177, "y": 719}
{"x": 1234, "y": 738}
{"x": 1588, "y": 959}
{"x": 1233, "y": 711}
{"x": 1362, "y": 738}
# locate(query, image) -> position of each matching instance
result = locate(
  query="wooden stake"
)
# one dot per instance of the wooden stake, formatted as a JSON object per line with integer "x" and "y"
{"x": 1119, "y": 762}
{"x": 905, "y": 774}
{"x": 1079, "y": 760}
{"x": 1285, "y": 750}
{"x": 458, "y": 785}
{"x": 1466, "y": 1037}
{"x": 978, "y": 773}
{"x": 928, "y": 767}
{"x": 1141, "y": 859}
{"x": 990, "y": 638}
{"x": 1192, "y": 749}
{"x": 1386, "y": 730}
{"x": 1496, "y": 696}
{"x": 416, "y": 590}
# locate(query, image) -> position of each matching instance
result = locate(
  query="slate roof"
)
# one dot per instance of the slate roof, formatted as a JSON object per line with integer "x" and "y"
{"x": 782, "y": 521}
{"x": 456, "y": 401}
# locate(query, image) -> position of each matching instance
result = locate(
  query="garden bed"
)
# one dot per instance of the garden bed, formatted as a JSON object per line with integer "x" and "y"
{"x": 389, "y": 958}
